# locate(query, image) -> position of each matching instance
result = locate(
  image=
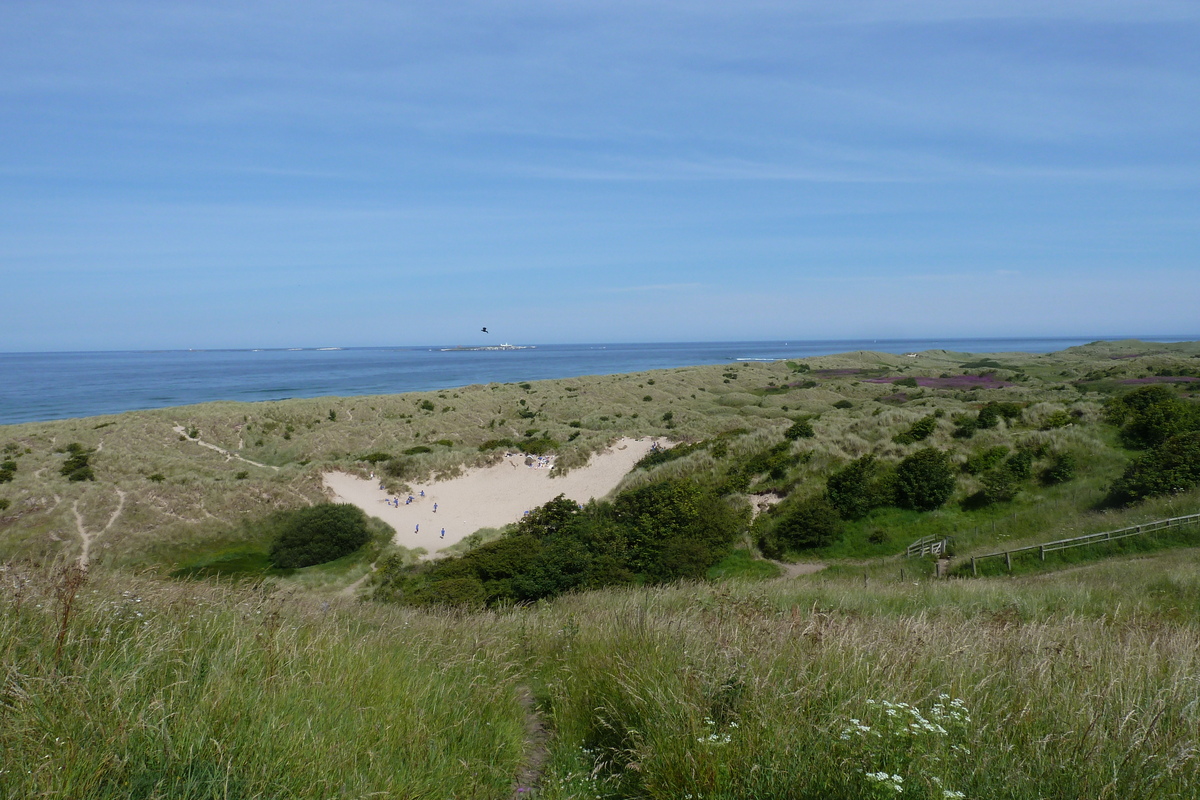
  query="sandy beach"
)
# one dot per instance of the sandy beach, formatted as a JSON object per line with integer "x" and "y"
{"x": 486, "y": 497}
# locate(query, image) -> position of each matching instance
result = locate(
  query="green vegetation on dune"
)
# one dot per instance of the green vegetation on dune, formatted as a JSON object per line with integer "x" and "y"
{"x": 1077, "y": 686}
{"x": 638, "y": 646}
{"x": 1012, "y": 446}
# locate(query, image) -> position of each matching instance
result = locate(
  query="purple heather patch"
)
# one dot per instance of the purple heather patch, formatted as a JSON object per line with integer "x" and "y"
{"x": 836, "y": 373}
{"x": 898, "y": 397}
{"x": 952, "y": 382}
{"x": 1163, "y": 379}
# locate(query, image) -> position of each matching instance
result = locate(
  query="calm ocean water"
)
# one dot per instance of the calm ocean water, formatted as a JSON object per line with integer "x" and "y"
{"x": 44, "y": 386}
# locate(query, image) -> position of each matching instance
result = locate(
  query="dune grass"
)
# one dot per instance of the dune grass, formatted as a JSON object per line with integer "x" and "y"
{"x": 1077, "y": 685}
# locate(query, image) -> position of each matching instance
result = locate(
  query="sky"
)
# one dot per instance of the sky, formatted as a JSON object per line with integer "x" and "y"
{"x": 361, "y": 173}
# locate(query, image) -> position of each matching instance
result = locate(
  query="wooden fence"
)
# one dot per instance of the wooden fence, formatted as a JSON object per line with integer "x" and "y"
{"x": 928, "y": 546}
{"x": 1081, "y": 541}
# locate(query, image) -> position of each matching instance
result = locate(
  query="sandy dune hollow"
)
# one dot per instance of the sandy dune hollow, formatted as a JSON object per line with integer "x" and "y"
{"x": 485, "y": 497}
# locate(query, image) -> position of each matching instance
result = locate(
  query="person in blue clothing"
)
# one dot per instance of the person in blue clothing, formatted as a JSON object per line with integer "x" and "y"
{"x": 435, "y": 508}
{"x": 443, "y": 533}
{"x": 417, "y": 529}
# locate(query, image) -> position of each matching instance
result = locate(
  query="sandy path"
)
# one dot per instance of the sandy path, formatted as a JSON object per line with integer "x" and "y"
{"x": 228, "y": 455}
{"x": 487, "y": 497}
{"x": 88, "y": 538}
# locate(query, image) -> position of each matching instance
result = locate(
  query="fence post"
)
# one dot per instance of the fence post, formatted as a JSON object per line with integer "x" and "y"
{"x": 1008, "y": 559}
{"x": 974, "y": 571}
{"x": 1042, "y": 552}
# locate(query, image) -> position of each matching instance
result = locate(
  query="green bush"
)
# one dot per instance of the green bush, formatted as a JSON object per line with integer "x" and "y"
{"x": 318, "y": 534}
{"x": 800, "y": 429}
{"x": 1020, "y": 464}
{"x": 426, "y": 405}
{"x": 978, "y": 463}
{"x": 993, "y": 412}
{"x": 376, "y": 457}
{"x": 843, "y": 404}
{"x": 416, "y": 451}
{"x": 1060, "y": 469}
{"x": 1150, "y": 415}
{"x": 4, "y": 503}
{"x": 1173, "y": 466}
{"x": 921, "y": 429}
{"x": 999, "y": 486}
{"x": 8, "y": 470}
{"x": 803, "y": 526}
{"x": 924, "y": 480}
{"x": 76, "y": 467}
{"x": 860, "y": 486}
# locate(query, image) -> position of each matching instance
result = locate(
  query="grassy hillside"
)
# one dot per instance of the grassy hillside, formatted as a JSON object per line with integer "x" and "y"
{"x": 1082, "y": 685}
{"x": 161, "y": 494}
{"x": 867, "y": 679}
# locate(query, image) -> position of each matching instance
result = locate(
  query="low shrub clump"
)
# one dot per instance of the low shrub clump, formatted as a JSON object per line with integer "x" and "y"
{"x": 318, "y": 534}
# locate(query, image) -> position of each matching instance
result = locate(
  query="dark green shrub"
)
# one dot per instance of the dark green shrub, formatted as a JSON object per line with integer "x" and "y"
{"x": 805, "y": 525}
{"x": 860, "y": 486}
{"x": 658, "y": 518}
{"x": 4, "y": 503}
{"x": 8, "y": 470}
{"x": 1173, "y": 466}
{"x": 843, "y": 404}
{"x": 921, "y": 429}
{"x": 376, "y": 457}
{"x": 924, "y": 480}
{"x": 1150, "y": 415}
{"x": 985, "y": 460}
{"x": 800, "y": 429}
{"x": 318, "y": 534}
{"x": 465, "y": 592}
{"x": 965, "y": 426}
{"x": 415, "y": 451}
{"x": 156, "y": 477}
{"x": 911, "y": 383}
{"x": 1060, "y": 469}
{"x": 426, "y": 405}
{"x": 553, "y": 517}
{"x": 999, "y": 486}
{"x": 1020, "y": 464}
{"x": 539, "y": 446}
{"x": 993, "y": 412}
{"x": 76, "y": 467}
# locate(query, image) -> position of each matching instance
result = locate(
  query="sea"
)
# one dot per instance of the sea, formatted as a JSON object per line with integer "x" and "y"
{"x": 62, "y": 385}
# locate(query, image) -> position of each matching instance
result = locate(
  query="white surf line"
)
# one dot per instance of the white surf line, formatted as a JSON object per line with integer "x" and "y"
{"x": 88, "y": 538}
{"x": 228, "y": 455}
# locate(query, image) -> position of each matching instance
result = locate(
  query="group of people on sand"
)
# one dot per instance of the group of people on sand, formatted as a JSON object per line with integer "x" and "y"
{"x": 533, "y": 462}
{"x": 394, "y": 502}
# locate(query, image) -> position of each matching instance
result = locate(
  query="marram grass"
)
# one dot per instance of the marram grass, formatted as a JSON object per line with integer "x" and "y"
{"x": 1079, "y": 685}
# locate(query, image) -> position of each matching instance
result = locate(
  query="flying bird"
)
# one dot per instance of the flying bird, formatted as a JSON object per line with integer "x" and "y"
{"x": 485, "y": 330}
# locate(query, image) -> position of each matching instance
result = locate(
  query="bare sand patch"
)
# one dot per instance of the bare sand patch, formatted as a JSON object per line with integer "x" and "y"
{"x": 486, "y": 497}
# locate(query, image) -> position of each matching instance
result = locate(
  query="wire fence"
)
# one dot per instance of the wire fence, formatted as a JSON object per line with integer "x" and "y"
{"x": 1081, "y": 541}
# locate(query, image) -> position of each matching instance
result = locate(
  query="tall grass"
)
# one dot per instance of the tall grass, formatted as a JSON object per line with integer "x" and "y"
{"x": 1077, "y": 685}
{"x": 192, "y": 691}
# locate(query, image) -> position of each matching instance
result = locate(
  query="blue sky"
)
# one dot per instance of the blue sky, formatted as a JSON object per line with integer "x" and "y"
{"x": 256, "y": 174}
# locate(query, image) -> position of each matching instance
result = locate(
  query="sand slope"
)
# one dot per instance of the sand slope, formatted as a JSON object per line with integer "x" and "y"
{"x": 488, "y": 497}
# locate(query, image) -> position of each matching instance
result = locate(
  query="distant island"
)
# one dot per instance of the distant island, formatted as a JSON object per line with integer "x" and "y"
{"x": 505, "y": 346}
